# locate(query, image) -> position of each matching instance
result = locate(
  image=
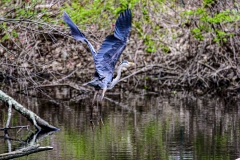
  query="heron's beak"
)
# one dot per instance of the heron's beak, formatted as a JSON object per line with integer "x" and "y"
{"x": 131, "y": 63}
{"x": 124, "y": 69}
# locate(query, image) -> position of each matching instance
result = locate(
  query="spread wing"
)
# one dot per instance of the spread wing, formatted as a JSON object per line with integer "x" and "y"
{"x": 76, "y": 33}
{"x": 123, "y": 25}
{"x": 113, "y": 45}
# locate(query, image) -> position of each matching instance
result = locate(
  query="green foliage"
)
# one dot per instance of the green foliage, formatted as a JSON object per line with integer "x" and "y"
{"x": 14, "y": 33}
{"x": 7, "y": 33}
{"x": 5, "y": 3}
{"x": 91, "y": 12}
{"x": 209, "y": 22}
{"x": 207, "y": 2}
{"x": 220, "y": 36}
{"x": 26, "y": 10}
{"x": 6, "y": 36}
{"x": 197, "y": 33}
{"x": 164, "y": 48}
{"x": 150, "y": 44}
{"x": 225, "y": 16}
{"x": 102, "y": 14}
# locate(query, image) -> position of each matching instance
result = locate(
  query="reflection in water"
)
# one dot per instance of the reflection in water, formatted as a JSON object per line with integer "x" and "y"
{"x": 91, "y": 117}
{"x": 137, "y": 127}
{"x": 28, "y": 146}
{"x": 96, "y": 109}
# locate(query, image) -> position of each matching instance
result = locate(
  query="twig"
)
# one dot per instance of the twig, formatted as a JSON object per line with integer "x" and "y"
{"x": 144, "y": 69}
{"x": 79, "y": 88}
{"x": 67, "y": 76}
{"x": 16, "y": 127}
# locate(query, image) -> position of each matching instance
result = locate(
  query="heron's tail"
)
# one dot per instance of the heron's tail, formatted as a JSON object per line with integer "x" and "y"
{"x": 93, "y": 82}
{"x": 84, "y": 84}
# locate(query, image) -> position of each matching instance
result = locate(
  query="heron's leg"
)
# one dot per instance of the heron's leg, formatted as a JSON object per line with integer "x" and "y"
{"x": 91, "y": 107}
{"x": 101, "y": 105}
{"x": 100, "y": 116}
{"x": 94, "y": 97}
{"x": 103, "y": 93}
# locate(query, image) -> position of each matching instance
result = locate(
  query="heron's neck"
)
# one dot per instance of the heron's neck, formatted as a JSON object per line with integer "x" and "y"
{"x": 117, "y": 78}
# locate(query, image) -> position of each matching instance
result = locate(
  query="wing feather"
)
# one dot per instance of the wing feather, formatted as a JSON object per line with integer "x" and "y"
{"x": 112, "y": 47}
{"x": 108, "y": 56}
{"x": 76, "y": 33}
{"x": 123, "y": 25}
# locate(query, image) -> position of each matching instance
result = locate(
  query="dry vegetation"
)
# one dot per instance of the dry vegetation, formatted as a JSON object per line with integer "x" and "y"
{"x": 170, "y": 46}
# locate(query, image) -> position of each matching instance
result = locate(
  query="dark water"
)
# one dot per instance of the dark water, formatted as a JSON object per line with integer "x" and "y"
{"x": 174, "y": 126}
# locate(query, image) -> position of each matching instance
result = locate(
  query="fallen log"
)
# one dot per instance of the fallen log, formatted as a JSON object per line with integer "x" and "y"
{"x": 38, "y": 122}
{"x": 24, "y": 151}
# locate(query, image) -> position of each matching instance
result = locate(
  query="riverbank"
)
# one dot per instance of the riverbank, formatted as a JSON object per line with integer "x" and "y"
{"x": 195, "y": 48}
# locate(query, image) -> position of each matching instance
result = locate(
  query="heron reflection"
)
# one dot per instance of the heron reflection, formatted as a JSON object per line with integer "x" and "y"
{"x": 96, "y": 115}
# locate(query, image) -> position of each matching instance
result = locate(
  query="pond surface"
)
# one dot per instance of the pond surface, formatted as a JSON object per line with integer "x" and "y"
{"x": 133, "y": 126}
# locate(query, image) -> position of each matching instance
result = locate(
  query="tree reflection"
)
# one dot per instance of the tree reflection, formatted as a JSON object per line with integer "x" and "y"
{"x": 143, "y": 127}
{"x": 25, "y": 147}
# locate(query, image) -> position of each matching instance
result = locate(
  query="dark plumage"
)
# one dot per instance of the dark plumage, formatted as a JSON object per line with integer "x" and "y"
{"x": 108, "y": 55}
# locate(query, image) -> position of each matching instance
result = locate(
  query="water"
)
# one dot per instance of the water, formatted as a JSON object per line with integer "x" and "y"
{"x": 134, "y": 127}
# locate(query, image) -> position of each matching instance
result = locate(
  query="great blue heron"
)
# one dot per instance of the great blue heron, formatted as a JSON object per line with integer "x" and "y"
{"x": 106, "y": 58}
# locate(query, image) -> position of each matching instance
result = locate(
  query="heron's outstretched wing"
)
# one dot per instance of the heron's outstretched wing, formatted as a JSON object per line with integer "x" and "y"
{"x": 113, "y": 45}
{"x": 123, "y": 25}
{"x": 108, "y": 55}
{"x": 76, "y": 33}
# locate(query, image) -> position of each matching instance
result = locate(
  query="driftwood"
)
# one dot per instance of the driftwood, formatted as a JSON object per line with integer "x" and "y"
{"x": 38, "y": 122}
{"x": 24, "y": 151}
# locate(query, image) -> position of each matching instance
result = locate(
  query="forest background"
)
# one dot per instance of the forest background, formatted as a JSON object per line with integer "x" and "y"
{"x": 179, "y": 44}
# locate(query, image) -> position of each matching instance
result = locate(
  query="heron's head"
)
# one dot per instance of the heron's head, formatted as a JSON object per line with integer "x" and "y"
{"x": 126, "y": 64}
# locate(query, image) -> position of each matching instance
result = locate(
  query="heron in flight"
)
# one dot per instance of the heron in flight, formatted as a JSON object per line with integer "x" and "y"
{"x": 108, "y": 55}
